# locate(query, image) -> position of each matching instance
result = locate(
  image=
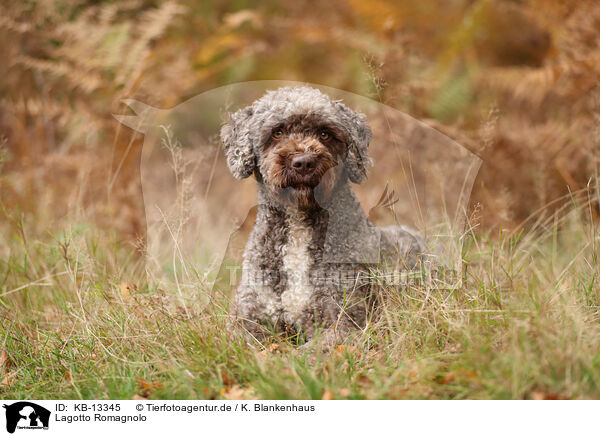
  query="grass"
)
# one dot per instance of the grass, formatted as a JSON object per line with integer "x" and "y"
{"x": 79, "y": 320}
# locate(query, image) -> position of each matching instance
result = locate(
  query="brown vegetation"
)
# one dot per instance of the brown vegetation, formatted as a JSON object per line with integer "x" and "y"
{"x": 516, "y": 82}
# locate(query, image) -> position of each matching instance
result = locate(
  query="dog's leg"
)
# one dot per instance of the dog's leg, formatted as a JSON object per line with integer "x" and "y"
{"x": 256, "y": 311}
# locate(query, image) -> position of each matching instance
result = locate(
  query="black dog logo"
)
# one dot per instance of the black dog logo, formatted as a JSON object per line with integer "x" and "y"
{"x": 28, "y": 415}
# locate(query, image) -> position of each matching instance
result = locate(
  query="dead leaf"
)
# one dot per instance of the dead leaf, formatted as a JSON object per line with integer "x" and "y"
{"x": 452, "y": 375}
{"x": 237, "y": 392}
{"x": 273, "y": 348}
{"x": 350, "y": 349}
{"x": 68, "y": 376}
{"x": 467, "y": 373}
{"x": 208, "y": 393}
{"x": 365, "y": 381}
{"x": 539, "y": 395}
{"x": 341, "y": 348}
{"x": 8, "y": 380}
{"x": 147, "y": 387}
{"x": 327, "y": 395}
{"x": 444, "y": 379}
{"x": 4, "y": 361}
{"x": 344, "y": 392}
{"x": 138, "y": 397}
{"x": 227, "y": 379}
{"x": 126, "y": 289}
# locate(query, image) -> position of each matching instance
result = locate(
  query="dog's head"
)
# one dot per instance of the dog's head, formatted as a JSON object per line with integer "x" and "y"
{"x": 298, "y": 142}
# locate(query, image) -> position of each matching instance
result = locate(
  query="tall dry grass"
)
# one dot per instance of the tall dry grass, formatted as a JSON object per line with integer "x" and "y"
{"x": 80, "y": 319}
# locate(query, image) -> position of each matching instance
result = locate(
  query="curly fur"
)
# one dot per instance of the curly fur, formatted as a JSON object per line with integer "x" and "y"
{"x": 248, "y": 128}
{"x": 311, "y": 244}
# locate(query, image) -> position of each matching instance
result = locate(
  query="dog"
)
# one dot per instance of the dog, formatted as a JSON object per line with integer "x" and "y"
{"x": 306, "y": 262}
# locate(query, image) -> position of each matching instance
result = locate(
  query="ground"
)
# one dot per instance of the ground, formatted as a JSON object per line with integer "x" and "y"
{"x": 80, "y": 320}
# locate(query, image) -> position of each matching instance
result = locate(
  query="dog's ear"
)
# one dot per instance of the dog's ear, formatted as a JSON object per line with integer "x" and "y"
{"x": 359, "y": 137}
{"x": 237, "y": 142}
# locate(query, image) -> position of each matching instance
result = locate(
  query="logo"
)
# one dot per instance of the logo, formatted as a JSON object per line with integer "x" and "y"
{"x": 422, "y": 178}
{"x": 26, "y": 415}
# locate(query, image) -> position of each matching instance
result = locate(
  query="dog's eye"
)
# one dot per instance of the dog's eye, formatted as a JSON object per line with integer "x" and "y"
{"x": 325, "y": 136}
{"x": 277, "y": 134}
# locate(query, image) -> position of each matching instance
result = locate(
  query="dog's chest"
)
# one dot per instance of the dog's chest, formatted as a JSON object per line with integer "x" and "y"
{"x": 296, "y": 263}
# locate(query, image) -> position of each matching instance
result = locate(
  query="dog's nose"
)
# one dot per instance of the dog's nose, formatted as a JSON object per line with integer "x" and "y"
{"x": 304, "y": 163}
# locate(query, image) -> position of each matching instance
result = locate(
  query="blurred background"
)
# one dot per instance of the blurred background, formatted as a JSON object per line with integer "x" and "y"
{"x": 516, "y": 82}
